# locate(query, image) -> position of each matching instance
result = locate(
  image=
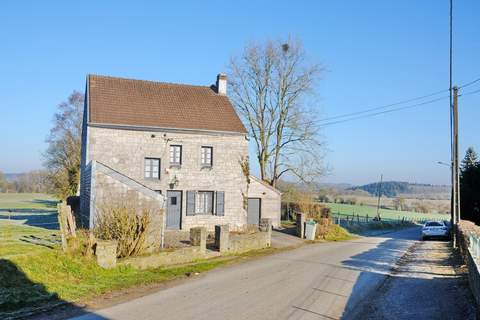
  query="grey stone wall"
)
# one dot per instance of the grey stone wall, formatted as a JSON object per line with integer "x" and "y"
{"x": 240, "y": 243}
{"x": 125, "y": 151}
{"x": 85, "y": 170}
{"x": 111, "y": 189}
{"x": 85, "y": 195}
{"x": 106, "y": 252}
{"x": 165, "y": 258}
{"x": 234, "y": 243}
{"x": 271, "y": 200}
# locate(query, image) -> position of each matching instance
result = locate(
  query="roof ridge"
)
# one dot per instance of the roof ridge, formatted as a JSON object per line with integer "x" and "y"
{"x": 149, "y": 81}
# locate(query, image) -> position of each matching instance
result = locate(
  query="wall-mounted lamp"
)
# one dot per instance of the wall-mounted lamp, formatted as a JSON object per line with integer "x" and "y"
{"x": 174, "y": 182}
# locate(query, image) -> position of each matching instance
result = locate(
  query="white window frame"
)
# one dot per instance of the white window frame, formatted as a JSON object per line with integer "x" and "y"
{"x": 204, "y": 202}
{"x": 148, "y": 171}
{"x": 206, "y": 156}
{"x": 175, "y": 155}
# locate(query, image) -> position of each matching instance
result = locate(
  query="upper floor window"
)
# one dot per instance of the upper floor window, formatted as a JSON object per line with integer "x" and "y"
{"x": 207, "y": 156}
{"x": 152, "y": 168}
{"x": 175, "y": 155}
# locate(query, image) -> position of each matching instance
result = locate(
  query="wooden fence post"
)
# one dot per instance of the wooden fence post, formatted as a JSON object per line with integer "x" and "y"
{"x": 71, "y": 221}
{"x": 62, "y": 224}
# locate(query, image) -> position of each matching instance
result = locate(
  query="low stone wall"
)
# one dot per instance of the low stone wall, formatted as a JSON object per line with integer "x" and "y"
{"x": 166, "y": 258}
{"x": 463, "y": 231}
{"x": 246, "y": 242}
{"x": 198, "y": 239}
{"x": 234, "y": 243}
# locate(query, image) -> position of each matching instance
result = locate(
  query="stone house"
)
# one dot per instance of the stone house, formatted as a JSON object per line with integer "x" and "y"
{"x": 179, "y": 145}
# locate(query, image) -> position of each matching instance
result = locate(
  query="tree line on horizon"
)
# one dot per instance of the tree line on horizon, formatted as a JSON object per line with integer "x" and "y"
{"x": 35, "y": 181}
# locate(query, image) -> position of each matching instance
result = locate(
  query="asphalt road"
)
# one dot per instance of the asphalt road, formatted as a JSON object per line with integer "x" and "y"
{"x": 318, "y": 281}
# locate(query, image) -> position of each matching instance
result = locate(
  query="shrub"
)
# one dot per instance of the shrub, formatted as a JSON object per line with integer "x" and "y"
{"x": 126, "y": 222}
{"x": 82, "y": 244}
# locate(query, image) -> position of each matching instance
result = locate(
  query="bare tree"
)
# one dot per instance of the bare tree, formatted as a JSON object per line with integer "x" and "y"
{"x": 36, "y": 181}
{"x": 399, "y": 203}
{"x": 62, "y": 157}
{"x": 5, "y": 185}
{"x": 270, "y": 87}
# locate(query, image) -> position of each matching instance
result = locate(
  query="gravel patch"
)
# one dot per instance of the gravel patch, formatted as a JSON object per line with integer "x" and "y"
{"x": 428, "y": 282}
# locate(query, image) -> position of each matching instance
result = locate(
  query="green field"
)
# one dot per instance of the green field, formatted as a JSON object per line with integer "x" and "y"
{"x": 28, "y": 224}
{"x": 28, "y": 209}
{"x": 362, "y": 211}
{"x": 27, "y": 201}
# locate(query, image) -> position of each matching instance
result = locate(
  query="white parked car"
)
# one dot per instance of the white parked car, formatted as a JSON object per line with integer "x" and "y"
{"x": 435, "y": 229}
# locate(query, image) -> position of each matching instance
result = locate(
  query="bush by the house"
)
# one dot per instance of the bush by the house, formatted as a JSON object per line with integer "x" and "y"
{"x": 127, "y": 222}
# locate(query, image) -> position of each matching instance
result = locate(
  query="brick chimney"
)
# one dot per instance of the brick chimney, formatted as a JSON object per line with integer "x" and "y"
{"x": 222, "y": 84}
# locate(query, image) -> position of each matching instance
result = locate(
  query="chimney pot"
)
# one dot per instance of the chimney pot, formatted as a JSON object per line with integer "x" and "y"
{"x": 222, "y": 84}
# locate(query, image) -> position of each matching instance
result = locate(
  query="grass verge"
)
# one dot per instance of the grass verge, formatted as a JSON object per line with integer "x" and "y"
{"x": 337, "y": 233}
{"x": 53, "y": 276}
{"x": 32, "y": 276}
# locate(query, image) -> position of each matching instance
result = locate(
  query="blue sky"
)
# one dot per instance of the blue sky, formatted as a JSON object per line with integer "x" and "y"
{"x": 375, "y": 53}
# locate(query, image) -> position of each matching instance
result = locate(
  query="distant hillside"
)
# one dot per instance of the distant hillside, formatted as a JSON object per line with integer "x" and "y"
{"x": 388, "y": 188}
{"x": 11, "y": 177}
{"x": 337, "y": 186}
{"x": 406, "y": 189}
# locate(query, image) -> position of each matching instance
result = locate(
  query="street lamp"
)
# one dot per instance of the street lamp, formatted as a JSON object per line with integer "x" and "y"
{"x": 444, "y": 164}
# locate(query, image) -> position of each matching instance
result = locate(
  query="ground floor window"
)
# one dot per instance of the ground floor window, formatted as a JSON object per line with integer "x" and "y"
{"x": 204, "y": 202}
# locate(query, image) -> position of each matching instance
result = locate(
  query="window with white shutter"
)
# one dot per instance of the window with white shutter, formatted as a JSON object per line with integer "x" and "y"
{"x": 204, "y": 202}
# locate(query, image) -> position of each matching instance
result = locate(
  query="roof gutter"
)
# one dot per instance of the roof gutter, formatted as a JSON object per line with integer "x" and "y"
{"x": 163, "y": 129}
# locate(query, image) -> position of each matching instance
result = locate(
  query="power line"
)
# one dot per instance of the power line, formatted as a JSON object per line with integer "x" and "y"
{"x": 385, "y": 111}
{"x": 384, "y": 106}
{"x": 469, "y": 93}
{"x": 395, "y": 109}
{"x": 469, "y": 83}
{"x": 346, "y": 115}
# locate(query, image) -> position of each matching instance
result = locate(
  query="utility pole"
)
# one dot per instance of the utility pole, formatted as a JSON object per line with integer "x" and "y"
{"x": 453, "y": 193}
{"x": 455, "y": 156}
{"x": 379, "y": 195}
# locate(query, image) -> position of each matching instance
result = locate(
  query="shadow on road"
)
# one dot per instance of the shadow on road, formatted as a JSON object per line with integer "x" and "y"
{"x": 22, "y": 298}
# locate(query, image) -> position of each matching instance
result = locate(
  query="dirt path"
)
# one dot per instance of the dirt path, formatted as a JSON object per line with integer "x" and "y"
{"x": 429, "y": 282}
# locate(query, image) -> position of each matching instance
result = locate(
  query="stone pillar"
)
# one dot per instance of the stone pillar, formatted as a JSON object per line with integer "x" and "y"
{"x": 222, "y": 237}
{"x": 106, "y": 252}
{"x": 301, "y": 225}
{"x": 266, "y": 226}
{"x": 198, "y": 237}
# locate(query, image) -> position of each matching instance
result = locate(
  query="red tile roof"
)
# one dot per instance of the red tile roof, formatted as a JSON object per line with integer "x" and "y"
{"x": 142, "y": 103}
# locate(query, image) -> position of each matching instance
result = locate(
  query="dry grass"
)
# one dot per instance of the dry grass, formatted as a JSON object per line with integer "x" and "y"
{"x": 127, "y": 222}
